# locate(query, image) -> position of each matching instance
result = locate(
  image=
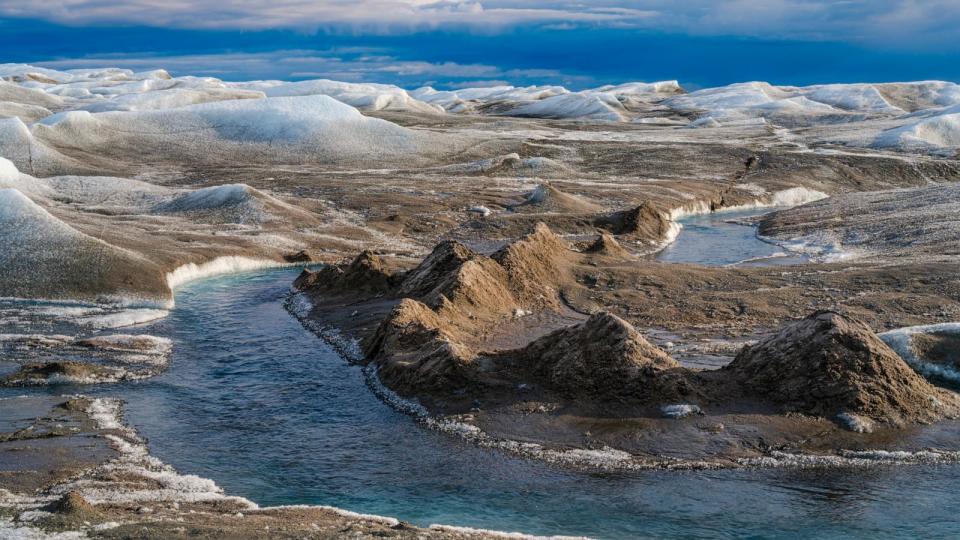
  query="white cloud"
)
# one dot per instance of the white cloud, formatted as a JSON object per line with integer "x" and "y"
{"x": 345, "y": 64}
{"x": 370, "y": 15}
{"x": 906, "y": 22}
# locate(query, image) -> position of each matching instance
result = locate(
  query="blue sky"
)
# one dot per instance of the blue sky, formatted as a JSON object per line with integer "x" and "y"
{"x": 461, "y": 43}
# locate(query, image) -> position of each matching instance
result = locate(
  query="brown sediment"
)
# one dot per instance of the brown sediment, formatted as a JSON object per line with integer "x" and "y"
{"x": 828, "y": 364}
{"x": 499, "y": 330}
{"x": 938, "y": 347}
{"x": 35, "y": 373}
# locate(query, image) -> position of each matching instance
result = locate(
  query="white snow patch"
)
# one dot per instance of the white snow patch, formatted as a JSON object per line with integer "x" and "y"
{"x": 126, "y": 317}
{"x": 855, "y": 422}
{"x": 482, "y": 210}
{"x": 680, "y": 410}
{"x": 10, "y": 530}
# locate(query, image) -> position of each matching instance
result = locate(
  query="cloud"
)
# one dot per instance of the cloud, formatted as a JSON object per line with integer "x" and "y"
{"x": 353, "y": 64}
{"x": 900, "y": 23}
{"x": 379, "y": 16}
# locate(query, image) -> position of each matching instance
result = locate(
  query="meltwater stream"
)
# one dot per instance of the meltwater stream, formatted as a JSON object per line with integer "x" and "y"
{"x": 255, "y": 402}
{"x": 725, "y": 238}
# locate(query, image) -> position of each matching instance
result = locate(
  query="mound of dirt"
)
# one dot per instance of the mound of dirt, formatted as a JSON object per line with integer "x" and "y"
{"x": 603, "y": 356}
{"x": 835, "y": 367}
{"x": 367, "y": 273}
{"x": 645, "y": 223}
{"x": 536, "y": 265}
{"x": 416, "y": 351}
{"x": 547, "y": 198}
{"x": 445, "y": 259}
{"x": 73, "y": 505}
{"x": 608, "y": 246}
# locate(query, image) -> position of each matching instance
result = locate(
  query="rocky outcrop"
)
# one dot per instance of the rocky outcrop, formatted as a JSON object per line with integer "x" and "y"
{"x": 414, "y": 351}
{"x": 645, "y": 223}
{"x": 603, "y": 356}
{"x": 608, "y": 246}
{"x": 367, "y": 273}
{"x": 835, "y": 367}
{"x": 445, "y": 259}
{"x": 536, "y": 265}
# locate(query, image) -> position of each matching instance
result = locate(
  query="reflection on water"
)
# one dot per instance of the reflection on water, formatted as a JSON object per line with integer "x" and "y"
{"x": 268, "y": 411}
{"x": 725, "y": 238}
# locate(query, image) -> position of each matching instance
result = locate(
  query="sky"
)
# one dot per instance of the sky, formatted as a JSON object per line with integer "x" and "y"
{"x": 450, "y": 44}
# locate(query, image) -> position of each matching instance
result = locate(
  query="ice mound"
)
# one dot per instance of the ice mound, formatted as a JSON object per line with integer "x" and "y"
{"x": 851, "y": 97}
{"x": 210, "y": 198}
{"x": 18, "y": 145}
{"x": 917, "y": 345}
{"x": 605, "y": 103}
{"x": 10, "y": 178}
{"x": 470, "y": 99}
{"x": 318, "y": 127}
{"x": 920, "y": 95}
{"x": 641, "y": 88}
{"x": 938, "y": 133}
{"x": 548, "y": 198}
{"x": 27, "y": 113}
{"x": 885, "y": 224}
{"x": 107, "y": 192}
{"x": 603, "y": 356}
{"x": 28, "y": 96}
{"x": 814, "y": 104}
{"x": 230, "y": 203}
{"x": 747, "y": 100}
{"x": 366, "y": 96}
{"x": 43, "y": 257}
{"x": 580, "y": 106}
{"x": 8, "y": 171}
{"x": 170, "y": 98}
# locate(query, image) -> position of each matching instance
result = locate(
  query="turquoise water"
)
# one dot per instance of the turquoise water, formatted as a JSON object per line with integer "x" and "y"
{"x": 723, "y": 239}
{"x": 255, "y": 402}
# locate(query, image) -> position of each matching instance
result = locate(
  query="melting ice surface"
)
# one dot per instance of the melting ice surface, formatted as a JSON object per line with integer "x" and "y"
{"x": 723, "y": 239}
{"x": 255, "y": 402}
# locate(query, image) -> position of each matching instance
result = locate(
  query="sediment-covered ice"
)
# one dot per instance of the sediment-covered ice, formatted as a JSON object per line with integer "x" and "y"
{"x": 901, "y": 341}
{"x": 43, "y": 257}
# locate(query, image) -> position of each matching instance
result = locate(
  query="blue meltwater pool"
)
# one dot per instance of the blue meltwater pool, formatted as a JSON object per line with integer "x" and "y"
{"x": 725, "y": 238}
{"x": 267, "y": 410}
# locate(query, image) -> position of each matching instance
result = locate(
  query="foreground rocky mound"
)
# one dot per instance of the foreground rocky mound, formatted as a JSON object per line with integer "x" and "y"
{"x": 835, "y": 367}
{"x": 602, "y": 356}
